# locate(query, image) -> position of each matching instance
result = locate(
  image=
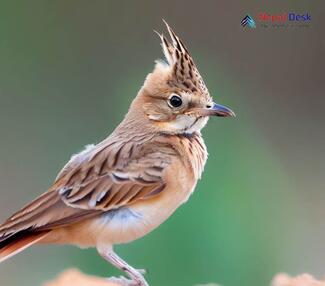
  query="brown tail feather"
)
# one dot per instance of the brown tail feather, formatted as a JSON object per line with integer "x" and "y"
{"x": 19, "y": 242}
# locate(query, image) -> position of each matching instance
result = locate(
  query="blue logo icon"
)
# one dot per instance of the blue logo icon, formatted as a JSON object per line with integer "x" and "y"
{"x": 248, "y": 21}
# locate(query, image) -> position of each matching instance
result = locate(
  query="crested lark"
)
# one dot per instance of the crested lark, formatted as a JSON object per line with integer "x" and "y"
{"x": 127, "y": 185}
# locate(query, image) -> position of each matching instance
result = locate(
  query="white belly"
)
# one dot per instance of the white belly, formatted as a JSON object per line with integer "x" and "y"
{"x": 130, "y": 223}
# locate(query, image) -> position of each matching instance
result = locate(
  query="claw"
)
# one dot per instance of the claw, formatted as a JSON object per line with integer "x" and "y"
{"x": 123, "y": 281}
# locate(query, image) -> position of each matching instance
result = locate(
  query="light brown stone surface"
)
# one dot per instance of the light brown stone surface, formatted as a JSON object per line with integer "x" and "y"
{"x": 301, "y": 280}
{"x": 74, "y": 277}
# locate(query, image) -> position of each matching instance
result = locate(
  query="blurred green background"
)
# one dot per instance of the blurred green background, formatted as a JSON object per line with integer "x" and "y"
{"x": 68, "y": 72}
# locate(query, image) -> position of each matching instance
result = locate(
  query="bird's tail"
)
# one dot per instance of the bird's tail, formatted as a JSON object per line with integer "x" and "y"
{"x": 19, "y": 242}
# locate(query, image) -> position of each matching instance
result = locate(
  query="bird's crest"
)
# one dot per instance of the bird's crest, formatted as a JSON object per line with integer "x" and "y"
{"x": 185, "y": 73}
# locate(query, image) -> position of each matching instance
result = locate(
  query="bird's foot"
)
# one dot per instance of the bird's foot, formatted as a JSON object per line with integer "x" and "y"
{"x": 136, "y": 275}
{"x": 123, "y": 281}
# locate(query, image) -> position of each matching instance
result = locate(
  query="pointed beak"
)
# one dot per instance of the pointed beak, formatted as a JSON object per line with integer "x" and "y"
{"x": 221, "y": 111}
{"x": 213, "y": 109}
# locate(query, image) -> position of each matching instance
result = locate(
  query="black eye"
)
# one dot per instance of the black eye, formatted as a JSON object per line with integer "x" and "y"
{"x": 175, "y": 101}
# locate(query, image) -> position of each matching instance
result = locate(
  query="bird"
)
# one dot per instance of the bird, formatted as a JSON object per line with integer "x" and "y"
{"x": 122, "y": 188}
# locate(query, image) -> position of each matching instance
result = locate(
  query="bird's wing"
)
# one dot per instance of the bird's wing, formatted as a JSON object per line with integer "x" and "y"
{"x": 100, "y": 181}
{"x": 140, "y": 179}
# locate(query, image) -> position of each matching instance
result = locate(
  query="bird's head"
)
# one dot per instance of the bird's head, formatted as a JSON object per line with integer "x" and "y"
{"x": 174, "y": 97}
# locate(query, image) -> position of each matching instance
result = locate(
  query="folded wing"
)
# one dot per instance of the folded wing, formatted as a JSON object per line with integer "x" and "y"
{"x": 104, "y": 180}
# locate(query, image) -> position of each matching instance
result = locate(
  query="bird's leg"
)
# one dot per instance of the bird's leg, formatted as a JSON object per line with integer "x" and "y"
{"x": 135, "y": 274}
